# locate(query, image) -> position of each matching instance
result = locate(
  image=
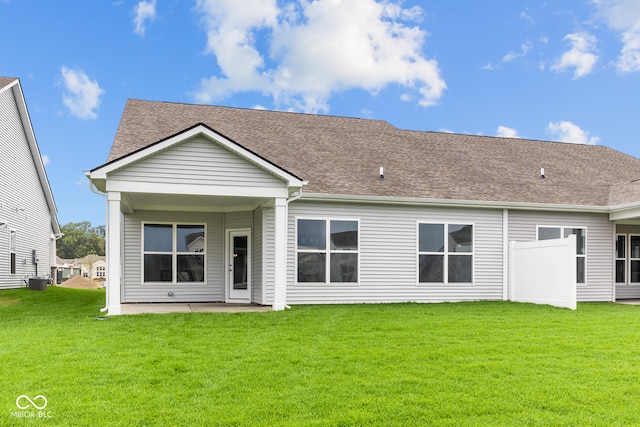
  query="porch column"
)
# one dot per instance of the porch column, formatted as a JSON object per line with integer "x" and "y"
{"x": 280, "y": 256}
{"x": 113, "y": 253}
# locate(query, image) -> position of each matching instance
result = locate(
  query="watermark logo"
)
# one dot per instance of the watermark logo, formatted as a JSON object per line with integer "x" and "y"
{"x": 20, "y": 402}
{"x": 31, "y": 407}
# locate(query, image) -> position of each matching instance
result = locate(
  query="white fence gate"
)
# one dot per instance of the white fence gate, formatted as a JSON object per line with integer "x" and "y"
{"x": 544, "y": 272}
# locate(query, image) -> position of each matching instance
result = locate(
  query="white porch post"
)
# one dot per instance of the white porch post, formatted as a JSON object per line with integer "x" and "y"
{"x": 113, "y": 253}
{"x": 280, "y": 256}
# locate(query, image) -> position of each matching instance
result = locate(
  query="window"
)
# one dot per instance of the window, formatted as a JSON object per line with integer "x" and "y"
{"x": 174, "y": 253}
{"x": 100, "y": 271}
{"x": 445, "y": 253}
{"x": 621, "y": 258}
{"x": 546, "y": 233}
{"x": 327, "y": 251}
{"x": 12, "y": 250}
{"x": 634, "y": 259}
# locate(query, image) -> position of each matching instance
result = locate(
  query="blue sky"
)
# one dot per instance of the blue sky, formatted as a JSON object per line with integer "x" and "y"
{"x": 566, "y": 70}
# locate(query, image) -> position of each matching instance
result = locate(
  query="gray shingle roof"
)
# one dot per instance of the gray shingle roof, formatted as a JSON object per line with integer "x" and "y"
{"x": 339, "y": 155}
{"x": 4, "y": 81}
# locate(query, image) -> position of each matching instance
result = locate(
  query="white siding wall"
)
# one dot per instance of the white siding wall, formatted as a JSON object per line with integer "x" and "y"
{"x": 20, "y": 189}
{"x": 388, "y": 255}
{"x": 600, "y": 232}
{"x": 632, "y": 290}
{"x": 136, "y": 291}
{"x": 200, "y": 161}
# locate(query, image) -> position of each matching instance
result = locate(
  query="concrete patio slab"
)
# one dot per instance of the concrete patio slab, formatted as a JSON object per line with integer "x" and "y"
{"x": 628, "y": 301}
{"x": 162, "y": 308}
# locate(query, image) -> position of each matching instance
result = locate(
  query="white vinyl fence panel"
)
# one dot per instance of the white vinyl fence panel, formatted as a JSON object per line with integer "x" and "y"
{"x": 544, "y": 272}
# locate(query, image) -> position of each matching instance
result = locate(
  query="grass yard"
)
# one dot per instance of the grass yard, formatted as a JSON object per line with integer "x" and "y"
{"x": 482, "y": 364}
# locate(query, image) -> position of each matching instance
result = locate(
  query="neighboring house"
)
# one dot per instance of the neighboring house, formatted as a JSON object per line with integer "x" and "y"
{"x": 28, "y": 215}
{"x": 294, "y": 208}
{"x": 67, "y": 268}
{"x": 91, "y": 266}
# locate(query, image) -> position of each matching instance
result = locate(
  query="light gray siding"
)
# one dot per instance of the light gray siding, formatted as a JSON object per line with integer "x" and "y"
{"x": 236, "y": 220}
{"x": 256, "y": 258}
{"x": 213, "y": 288}
{"x": 388, "y": 255}
{"x": 600, "y": 232}
{"x": 268, "y": 250}
{"x": 197, "y": 161}
{"x": 630, "y": 290}
{"x": 23, "y": 205}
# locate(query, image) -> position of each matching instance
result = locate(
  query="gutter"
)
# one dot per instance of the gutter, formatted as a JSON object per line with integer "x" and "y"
{"x": 416, "y": 201}
{"x": 290, "y": 199}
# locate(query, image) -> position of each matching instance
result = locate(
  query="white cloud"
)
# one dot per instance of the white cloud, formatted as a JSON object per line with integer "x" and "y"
{"x": 524, "y": 49}
{"x": 316, "y": 49}
{"x": 510, "y": 56}
{"x": 623, "y": 17}
{"x": 144, "y": 11}
{"x": 507, "y": 132}
{"x": 45, "y": 159}
{"x": 83, "y": 94}
{"x": 581, "y": 56}
{"x": 569, "y": 132}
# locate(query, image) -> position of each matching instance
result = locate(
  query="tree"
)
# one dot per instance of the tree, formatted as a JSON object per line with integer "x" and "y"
{"x": 80, "y": 239}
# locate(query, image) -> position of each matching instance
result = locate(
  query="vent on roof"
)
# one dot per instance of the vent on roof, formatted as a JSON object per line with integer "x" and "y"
{"x": 542, "y": 173}
{"x": 381, "y": 172}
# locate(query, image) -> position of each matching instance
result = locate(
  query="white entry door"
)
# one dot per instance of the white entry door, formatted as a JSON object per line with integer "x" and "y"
{"x": 239, "y": 266}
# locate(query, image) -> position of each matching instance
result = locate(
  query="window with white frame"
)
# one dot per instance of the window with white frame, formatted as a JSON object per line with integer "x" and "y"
{"x": 12, "y": 250}
{"x": 546, "y": 233}
{"x": 327, "y": 251}
{"x": 100, "y": 271}
{"x": 627, "y": 248}
{"x": 445, "y": 253}
{"x": 621, "y": 258}
{"x": 174, "y": 253}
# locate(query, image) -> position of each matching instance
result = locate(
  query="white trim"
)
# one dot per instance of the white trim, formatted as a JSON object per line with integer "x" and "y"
{"x": 35, "y": 153}
{"x": 13, "y": 249}
{"x": 505, "y": 254}
{"x": 102, "y": 171}
{"x": 622, "y": 212}
{"x": 417, "y": 201}
{"x": 631, "y": 258}
{"x": 328, "y": 251}
{"x": 280, "y": 254}
{"x": 229, "y": 233}
{"x": 625, "y": 259}
{"x": 174, "y": 253}
{"x": 195, "y": 189}
{"x": 114, "y": 256}
{"x": 445, "y": 253}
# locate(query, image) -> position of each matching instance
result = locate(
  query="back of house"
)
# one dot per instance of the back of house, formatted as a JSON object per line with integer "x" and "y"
{"x": 28, "y": 216}
{"x": 209, "y": 203}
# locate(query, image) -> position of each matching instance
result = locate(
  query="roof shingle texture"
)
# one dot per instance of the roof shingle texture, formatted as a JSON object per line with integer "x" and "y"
{"x": 4, "y": 81}
{"x": 339, "y": 155}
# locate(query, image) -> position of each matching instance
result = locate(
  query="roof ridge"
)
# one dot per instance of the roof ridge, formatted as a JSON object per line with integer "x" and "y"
{"x": 263, "y": 110}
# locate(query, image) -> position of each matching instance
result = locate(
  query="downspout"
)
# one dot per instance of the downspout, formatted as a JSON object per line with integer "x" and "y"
{"x": 100, "y": 193}
{"x": 290, "y": 199}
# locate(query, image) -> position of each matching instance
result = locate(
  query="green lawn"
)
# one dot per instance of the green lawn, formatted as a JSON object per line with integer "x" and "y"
{"x": 494, "y": 363}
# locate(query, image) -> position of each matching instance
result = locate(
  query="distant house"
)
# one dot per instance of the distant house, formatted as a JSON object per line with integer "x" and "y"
{"x": 91, "y": 267}
{"x": 28, "y": 215}
{"x": 67, "y": 268}
{"x": 304, "y": 209}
